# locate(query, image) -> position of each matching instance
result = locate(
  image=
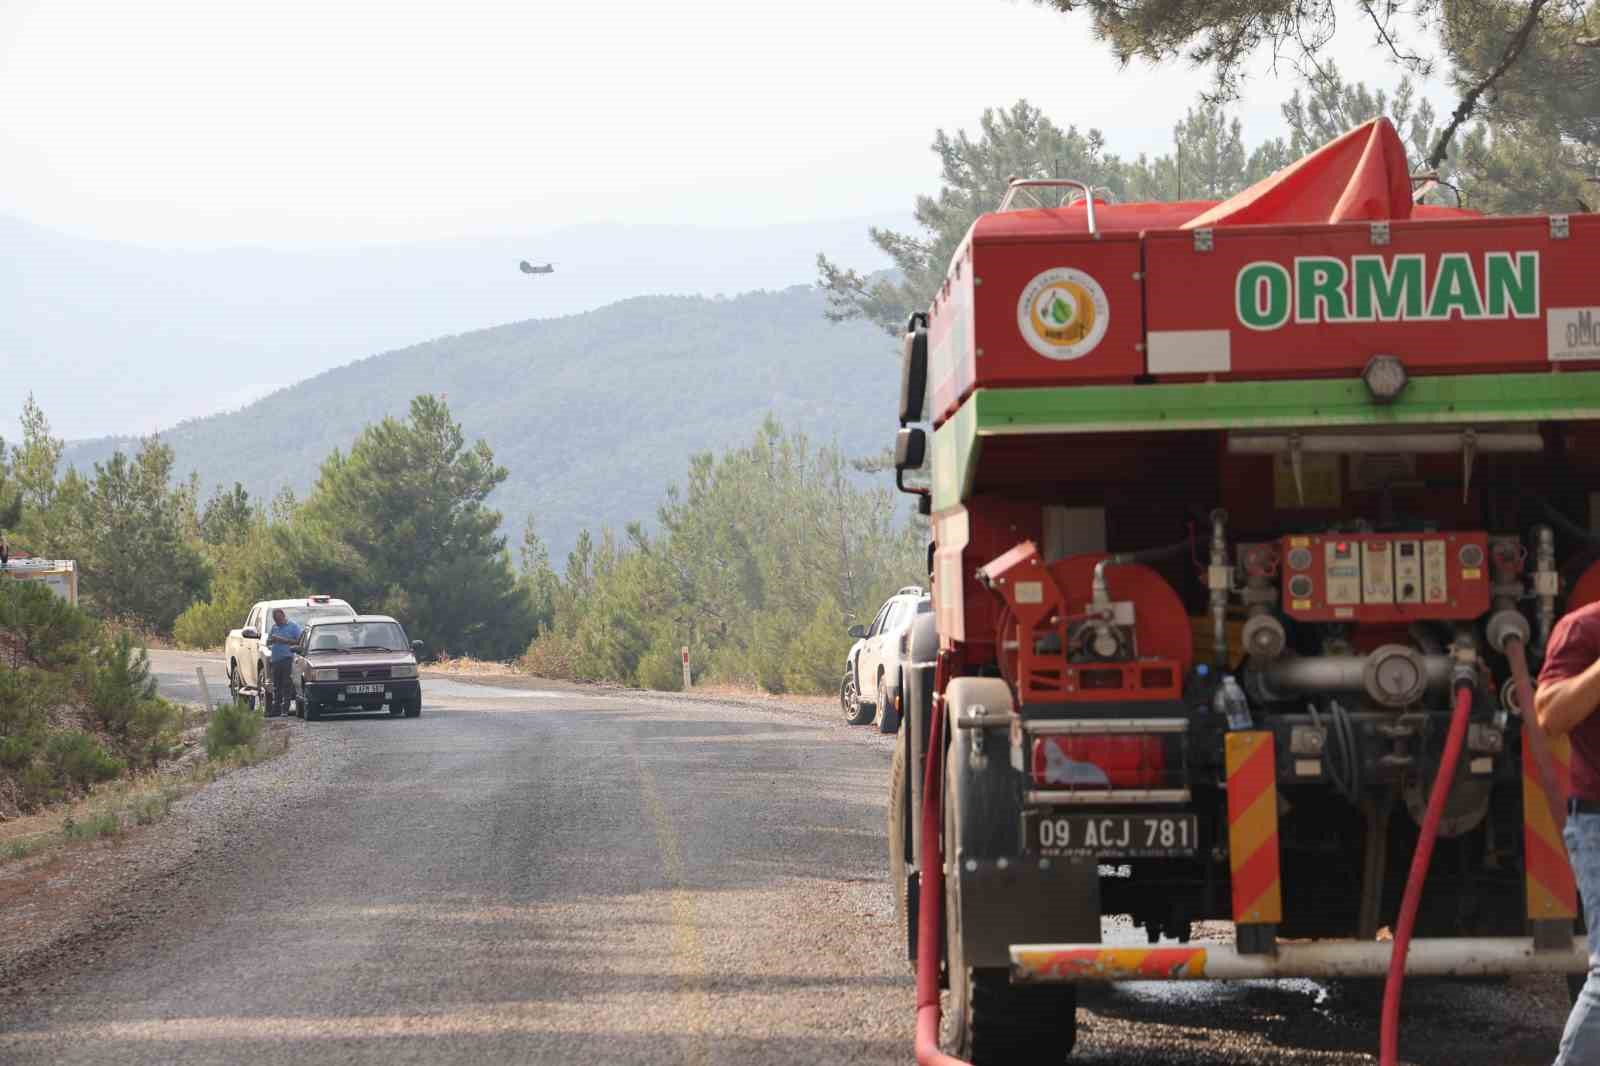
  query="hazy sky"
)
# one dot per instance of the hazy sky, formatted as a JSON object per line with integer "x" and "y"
{"x": 203, "y": 122}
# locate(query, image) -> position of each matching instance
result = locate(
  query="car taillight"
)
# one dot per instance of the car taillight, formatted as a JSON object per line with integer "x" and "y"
{"x": 1099, "y": 761}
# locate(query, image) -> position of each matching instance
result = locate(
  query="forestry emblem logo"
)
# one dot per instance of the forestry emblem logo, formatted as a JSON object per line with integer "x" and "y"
{"x": 1063, "y": 313}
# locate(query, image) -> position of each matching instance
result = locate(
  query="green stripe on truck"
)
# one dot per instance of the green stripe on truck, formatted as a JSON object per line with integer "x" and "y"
{"x": 1479, "y": 399}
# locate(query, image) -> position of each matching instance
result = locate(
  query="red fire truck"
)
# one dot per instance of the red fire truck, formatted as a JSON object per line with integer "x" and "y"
{"x": 1250, "y": 520}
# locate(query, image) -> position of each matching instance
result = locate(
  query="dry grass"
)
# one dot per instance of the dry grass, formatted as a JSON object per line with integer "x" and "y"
{"x": 743, "y": 692}
{"x": 466, "y": 665}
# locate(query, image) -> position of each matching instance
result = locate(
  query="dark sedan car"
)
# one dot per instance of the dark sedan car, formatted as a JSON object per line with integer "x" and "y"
{"x": 356, "y": 664}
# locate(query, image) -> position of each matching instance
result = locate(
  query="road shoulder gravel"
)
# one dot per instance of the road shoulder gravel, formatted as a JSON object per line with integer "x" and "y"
{"x": 59, "y": 905}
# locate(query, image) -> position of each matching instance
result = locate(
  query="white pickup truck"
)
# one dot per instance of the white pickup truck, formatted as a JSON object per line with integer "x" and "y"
{"x": 246, "y": 648}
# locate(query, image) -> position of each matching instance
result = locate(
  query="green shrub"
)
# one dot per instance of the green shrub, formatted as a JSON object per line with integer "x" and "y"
{"x": 118, "y": 681}
{"x": 22, "y": 847}
{"x": 44, "y": 628}
{"x": 150, "y": 809}
{"x": 816, "y": 655}
{"x": 205, "y": 624}
{"x": 611, "y": 639}
{"x": 767, "y": 654}
{"x": 18, "y": 751}
{"x": 552, "y": 654}
{"x": 77, "y": 760}
{"x": 122, "y": 697}
{"x": 154, "y": 730}
{"x": 36, "y": 786}
{"x": 26, "y": 696}
{"x": 661, "y": 668}
{"x": 233, "y": 726}
{"x": 100, "y": 824}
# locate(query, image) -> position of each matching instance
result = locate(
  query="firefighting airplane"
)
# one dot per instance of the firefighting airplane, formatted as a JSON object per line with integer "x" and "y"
{"x": 543, "y": 268}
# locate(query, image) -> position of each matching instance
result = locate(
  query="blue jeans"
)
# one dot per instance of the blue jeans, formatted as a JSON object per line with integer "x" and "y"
{"x": 1580, "y": 1043}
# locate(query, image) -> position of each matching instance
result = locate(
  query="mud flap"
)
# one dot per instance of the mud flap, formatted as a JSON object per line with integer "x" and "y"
{"x": 1006, "y": 902}
{"x": 1006, "y": 897}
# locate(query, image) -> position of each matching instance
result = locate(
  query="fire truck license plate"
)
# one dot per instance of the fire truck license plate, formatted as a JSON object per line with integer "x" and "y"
{"x": 363, "y": 690}
{"x": 1114, "y": 836}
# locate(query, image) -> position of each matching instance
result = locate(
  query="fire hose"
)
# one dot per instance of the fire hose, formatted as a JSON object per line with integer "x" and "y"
{"x": 1389, "y": 1033}
{"x": 1533, "y": 736}
{"x": 930, "y": 901}
{"x": 1516, "y": 654}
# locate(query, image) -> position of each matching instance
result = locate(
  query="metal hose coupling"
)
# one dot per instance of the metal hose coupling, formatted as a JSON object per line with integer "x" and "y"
{"x": 1100, "y": 589}
{"x": 1464, "y": 666}
{"x": 1505, "y": 625}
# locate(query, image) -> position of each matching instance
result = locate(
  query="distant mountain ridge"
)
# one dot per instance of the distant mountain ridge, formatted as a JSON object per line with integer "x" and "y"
{"x": 117, "y": 338}
{"x": 593, "y": 414}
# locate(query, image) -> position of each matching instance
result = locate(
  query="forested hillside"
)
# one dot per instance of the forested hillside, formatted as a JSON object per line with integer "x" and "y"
{"x": 592, "y": 414}
{"x": 183, "y": 333}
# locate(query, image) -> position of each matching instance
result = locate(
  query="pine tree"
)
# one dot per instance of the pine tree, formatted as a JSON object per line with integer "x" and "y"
{"x": 400, "y": 525}
{"x": 135, "y": 560}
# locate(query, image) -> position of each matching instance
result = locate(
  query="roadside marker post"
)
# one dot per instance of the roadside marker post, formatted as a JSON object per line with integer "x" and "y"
{"x": 686, "y": 667}
{"x": 205, "y": 690}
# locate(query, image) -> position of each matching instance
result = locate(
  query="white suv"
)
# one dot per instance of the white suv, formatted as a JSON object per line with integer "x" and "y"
{"x": 872, "y": 671}
{"x": 245, "y": 650}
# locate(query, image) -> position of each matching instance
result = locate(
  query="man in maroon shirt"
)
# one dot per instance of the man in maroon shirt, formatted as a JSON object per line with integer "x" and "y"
{"x": 1565, "y": 705}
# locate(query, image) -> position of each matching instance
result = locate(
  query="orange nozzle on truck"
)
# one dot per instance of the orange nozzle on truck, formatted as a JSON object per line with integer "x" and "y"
{"x": 1250, "y": 523}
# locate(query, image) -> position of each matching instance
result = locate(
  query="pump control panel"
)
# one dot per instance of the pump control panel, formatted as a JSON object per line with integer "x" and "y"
{"x": 1385, "y": 577}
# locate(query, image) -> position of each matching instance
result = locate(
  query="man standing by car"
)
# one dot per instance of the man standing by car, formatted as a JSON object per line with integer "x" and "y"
{"x": 1568, "y": 697}
{"x": 281, "y": 639}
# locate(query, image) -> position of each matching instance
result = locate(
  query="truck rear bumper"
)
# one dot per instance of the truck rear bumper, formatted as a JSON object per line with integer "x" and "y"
{"x": 1441, "y": 957}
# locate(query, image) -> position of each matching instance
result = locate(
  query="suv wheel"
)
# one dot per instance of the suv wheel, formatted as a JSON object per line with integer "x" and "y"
{"x": 888, "y": 708}
{"x": 855, "y": 712}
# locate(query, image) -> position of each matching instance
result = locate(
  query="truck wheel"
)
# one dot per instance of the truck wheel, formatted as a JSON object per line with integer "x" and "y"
{"x": 990, "y": 1021}
{"x": 310, "y": 711}
{"x": 414, "y": 708}
{"x": 850, "y": 701}
{"x": 888, "y": 710}
{"x": 236, "y": 688}
{"x": 901, "y": 881}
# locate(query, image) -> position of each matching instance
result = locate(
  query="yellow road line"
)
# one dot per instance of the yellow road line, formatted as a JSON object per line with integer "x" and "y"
{"x": 686, "y": 943}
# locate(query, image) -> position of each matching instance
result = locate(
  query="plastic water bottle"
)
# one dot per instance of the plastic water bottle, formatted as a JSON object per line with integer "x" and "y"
{"x": 1230, "y": 700}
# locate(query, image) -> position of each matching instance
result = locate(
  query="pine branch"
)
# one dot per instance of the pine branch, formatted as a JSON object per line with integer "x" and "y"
{"x": 1381, "y": 24}
{"x": 1469, "y": 102}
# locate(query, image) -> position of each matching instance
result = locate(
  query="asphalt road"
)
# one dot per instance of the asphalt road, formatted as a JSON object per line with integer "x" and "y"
{"x": 531, "y": 875}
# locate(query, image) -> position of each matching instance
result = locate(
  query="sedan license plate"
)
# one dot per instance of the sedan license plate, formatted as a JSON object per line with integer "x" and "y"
{"x": 363, "y": 690}
{"x": 1114, "y": 836}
